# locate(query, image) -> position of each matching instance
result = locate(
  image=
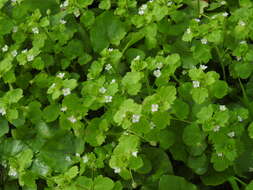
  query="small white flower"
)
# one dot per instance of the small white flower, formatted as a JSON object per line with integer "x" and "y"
{"x": 216, "y": 128}
{"x": 135, "y": 118}
{"x": 243, "y": 42}
{"x": 72, "y": 119}
{"x": 157, "y": 73}
{"x": 214, "y": 16}
{"x": 142, "y": 9}
{"x": 77, "y": 13}
{"x": 62, "y": 21}
{"x": 67, "y": 158}
{"x": 141, "y": 12}
{"x": 110, "y": 49}
{"x": 220, "y": 154}
{"x": 108, "y": 99}
{"x": 13, "y": 1}
{"x": 113, "y": 81}
{"x": 14, "y": 53}
{"x": 239, "y": 118}
{"x": 184, "y": 72}
{"x": 113, "y": 144}
{"x": 250, "y": 169}
{"x": 204, "y": 41}
{"x": 125, "y": 133}
{"x": 151, "y": 1}
{"x": 231, "y": 134}
{"x": 241, "y": 23}
{"x": 64, "y": 4}
{"x": 35, "y": 30}
{"x": 108, "y": 67}
{"x": 77, "y": 154}
{"x": 223, "y": 107}
{"x": 66, "y": 91}
{"x": 137, "y": 58}
{"x": 197, "y": 19}
{"x": 117, "y": 170}
{"x": 169, "y": 3}
{"x": 63, "y": 109}
{"x": 30, "y": 58}
{"x": 60, "y": 75}
{"x": 102, "y": 90}
{"x": 159, "y": 65}
{"x": 152, "y": 125}
{"x": 238, "y": 58}
{"x": 225, "y": 14}
{"x": 2, "y": 111}
{"x": 223, "y": 2}
{"x": 85, "y": 159}
{"x": 203, "y": 67}
{"x": 195, "y": 84}
{"x": 134, "y": 185}
{"x": 24, "y": 51}
{"x": 154, "y": 107}
{"x": 135, "y": 153}
{"x": 5, "y": 48}
{"x": 188, "y": 31}
{"x": 12, "y": 172}
{"x": 15, "y": 29}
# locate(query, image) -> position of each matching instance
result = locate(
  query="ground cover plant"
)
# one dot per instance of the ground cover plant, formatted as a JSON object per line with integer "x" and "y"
{"x": 126, "y": 94}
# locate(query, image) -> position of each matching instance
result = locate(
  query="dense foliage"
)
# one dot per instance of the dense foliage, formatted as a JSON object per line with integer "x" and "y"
{"x": 125, "y": 94}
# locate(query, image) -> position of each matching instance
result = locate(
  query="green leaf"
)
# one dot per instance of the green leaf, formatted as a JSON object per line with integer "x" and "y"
{"x": 175, "y": 183}
{"x": 193, "y": 135}
{"x": 4, "y": 127}
{"x": 131, "y": 82}
{"x": 107, "y": 29}
{"x": 199, "y": 95}
{"x": 13, "y": 96}
{"x": 51, "y": 112}
{"x": 219, "y": 89}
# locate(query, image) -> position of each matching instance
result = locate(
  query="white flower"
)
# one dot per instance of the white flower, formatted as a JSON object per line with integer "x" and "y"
{"x": 135, "y": 153}
{"x": 142, "y": 9}
{"x": 152, "y": 125}
{"x": 184, "y": 72}
{"x": 60, "y": 75}
{"x": 108, "y": 99}
{"x": 214, "y": 16}
{"x": 77, "y": 154}
{"x": 151, "y": 1}
{"x": 141, "y": 12}
{"x": 250, "y": 169}
{"x": 195, "y": 84}
{"x": 157, "y": 73}
{"x": 223, "y": 2}
{"x": 13, "y": 1}
{"x": 5, "y": 48}
{"x": 243, "y": 42}
{"x": 117, "y": 170}
{"x": 72, "y": 119}
{"x": 197, "y": 19}
{"x": 110, "y": 49}
{"x": 241, "y": 23}
{"x": 225, "y": 14}
{"x": 77, "y": 13}
{"x": 239, "y": 118}
{"x": 203, "y": 67}
{"x": 159, "y": 65}
{"x": 35, "y": 30}
{"x": 15, "y": 29}
{"x": 169, "y": 3}
{"x": 24, "y": 51}
{"x": 238, "y": 58}
{"x": 113, "y": 81}
{"x": 66, "y": 91}
{"x": 154, "y": 107}
{"x": 62, "y": 21}
{"x": 220, "y": 154}
{"x": 188, "y": 31}
{"x": 204, "y": 41}
{"x": 14, "y": 53}
{"x": 135, "y": 118}
{"x": 222, "y": 108}
{"x": 2, "y": 111}
{"x": 63, "y": 109}
{"x": 216, "y": 128}
{"x": 108, "y": 67}
{"x": 67, "y": 158}
{"x": 85, "y": 159}
{"x": 231, "y": 134}
{"x": 30, "y": 58}
{"x": 65, "y": 4}
{"x": 102, "y": 90}
{"x": 12, "y": 172}
{"x": 134, "y": 185}
{"x": 137, "y": 58}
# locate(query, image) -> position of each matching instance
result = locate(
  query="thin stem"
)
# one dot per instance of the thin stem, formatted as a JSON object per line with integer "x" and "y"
{"x": 198, "y": 7}
{"x": 148, "y": 85}
{"x": 245, "y": 98}
{"x": 240, "y": 181}
{"x": 233, "y": 184}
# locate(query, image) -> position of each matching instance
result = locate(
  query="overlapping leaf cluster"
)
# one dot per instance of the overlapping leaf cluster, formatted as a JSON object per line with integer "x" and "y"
{"x": 125, "y": 94}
